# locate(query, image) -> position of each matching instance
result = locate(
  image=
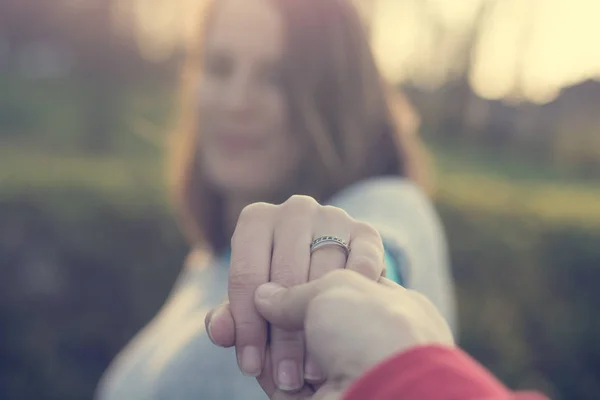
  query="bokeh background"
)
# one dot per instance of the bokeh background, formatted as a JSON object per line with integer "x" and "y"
{"x": 508, "y": 93}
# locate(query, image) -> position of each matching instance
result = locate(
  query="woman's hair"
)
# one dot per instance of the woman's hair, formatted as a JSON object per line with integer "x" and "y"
{"x": 353, "y": 124}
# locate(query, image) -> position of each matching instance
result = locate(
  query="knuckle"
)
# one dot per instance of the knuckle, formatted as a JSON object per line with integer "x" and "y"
{"x": 327, "y": 300}
{"x": 245, "y": 325}
{"x": 255, "y": 211}
{"x": 289, "y": 341}
{"x": 293, "y": 221}
{"x": 243, "y": 277}
{"x": 370, "y": 266}
{"x": 335, "y": 213}
{"x": 248, "y": 331}
{"x": 301, "y": 203}
{"x": 334, "y": 301}
{"x": 283, "y": 269}
{"x": 368, "y": 232}
{"x": 337, "y": 277}
{"x": 324, "y": 300}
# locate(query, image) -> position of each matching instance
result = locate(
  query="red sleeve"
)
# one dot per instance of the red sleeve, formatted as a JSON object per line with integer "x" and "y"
{"x": 433, "y": 373}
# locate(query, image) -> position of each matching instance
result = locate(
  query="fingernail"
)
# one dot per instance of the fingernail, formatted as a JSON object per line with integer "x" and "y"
{"x": 267, "y": 290}
{"x": 313, "y": 372}
{"x": 288, "y": 376}
{"x": 213, "y": 315}
{"x": 209, "y": 335}
{"x": 208, "y": 323}
{"x": 251, "y": 361}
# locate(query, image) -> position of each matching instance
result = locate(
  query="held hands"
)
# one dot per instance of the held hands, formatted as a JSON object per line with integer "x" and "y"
{"x": 350, "y": 324}
{"x": 271, "y": 243}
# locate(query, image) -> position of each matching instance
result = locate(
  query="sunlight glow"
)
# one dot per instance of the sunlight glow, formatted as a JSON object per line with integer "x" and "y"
{"x": 524, "y": 48}
{"x": 546, "y": 46}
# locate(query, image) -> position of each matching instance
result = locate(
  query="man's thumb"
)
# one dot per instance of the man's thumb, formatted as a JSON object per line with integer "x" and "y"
{"x": 284, "y": 307}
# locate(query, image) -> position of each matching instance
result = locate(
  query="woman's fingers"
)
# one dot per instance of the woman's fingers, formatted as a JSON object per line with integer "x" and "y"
{"x": 220, "y": 326}
{"x": 290, "y": 267}
{"x": 265, "y": 379}
{"x": 331, "y": 221}
{"x": 267, "y": 382}
{"x": 250, "y": 263}
{"x": 367, "y": 255}
{"x": 272, "y": 243}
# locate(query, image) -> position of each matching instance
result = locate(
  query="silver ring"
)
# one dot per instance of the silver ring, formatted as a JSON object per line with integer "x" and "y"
{"x": 329, "y": 240}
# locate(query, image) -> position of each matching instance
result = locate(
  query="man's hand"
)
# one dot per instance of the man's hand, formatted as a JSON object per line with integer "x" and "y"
{"x": 350, "y": 322}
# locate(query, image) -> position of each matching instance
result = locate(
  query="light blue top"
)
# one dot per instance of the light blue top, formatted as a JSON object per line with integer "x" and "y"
{"x": 172, "y": 358}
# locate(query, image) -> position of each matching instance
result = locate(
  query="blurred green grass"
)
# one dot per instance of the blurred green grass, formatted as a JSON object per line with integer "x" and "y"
{"x": 53, "y": 115}
{"x": 491, "y": 182}
{"x": 39, "y": 109}
{"x": 121, "y": 179}
{"x": 463, "y": 178}
{"x": 41, "y": 124}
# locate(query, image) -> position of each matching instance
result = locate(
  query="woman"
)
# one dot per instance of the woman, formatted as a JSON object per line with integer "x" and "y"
{"x": 283, "y": 98}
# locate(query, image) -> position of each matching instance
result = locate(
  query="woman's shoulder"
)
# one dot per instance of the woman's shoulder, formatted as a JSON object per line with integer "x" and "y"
{"x": 389, "y": 193}
{"x": 198, "y": 259}
{"x": 202, "y": 269}
{"x": 396, "y": 207}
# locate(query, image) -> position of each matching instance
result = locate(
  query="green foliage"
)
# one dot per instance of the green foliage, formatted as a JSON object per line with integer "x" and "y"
{"x": 64, "y": 114}
{"x": 526, "y": 291}
{"x": 49, "y": 110}
{"x": 473, "y": 178}
{"x": 82, "y": 274}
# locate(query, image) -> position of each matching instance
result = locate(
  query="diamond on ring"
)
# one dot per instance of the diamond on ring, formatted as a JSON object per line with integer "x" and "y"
{"x": 329, "y": 240}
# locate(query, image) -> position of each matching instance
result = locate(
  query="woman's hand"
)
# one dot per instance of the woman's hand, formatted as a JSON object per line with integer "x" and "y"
{"x": 271, "y": 243}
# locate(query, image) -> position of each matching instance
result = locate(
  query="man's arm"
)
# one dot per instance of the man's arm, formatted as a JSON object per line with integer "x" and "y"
{"x": 432, "y": 373}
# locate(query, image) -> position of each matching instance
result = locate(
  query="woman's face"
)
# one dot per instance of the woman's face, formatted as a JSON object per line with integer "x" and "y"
{"x": 247, "y": 145}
